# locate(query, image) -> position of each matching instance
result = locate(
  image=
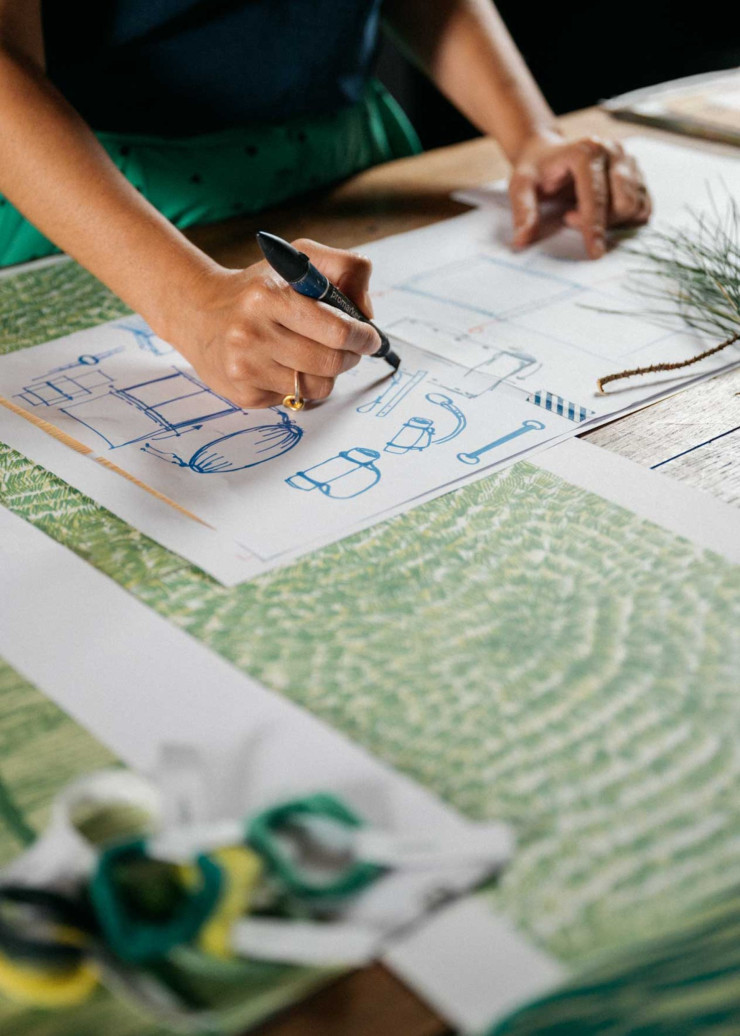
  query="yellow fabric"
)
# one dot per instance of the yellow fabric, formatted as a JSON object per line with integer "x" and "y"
{"x": 242, "y": 870}
{"x": 47, "y": 988}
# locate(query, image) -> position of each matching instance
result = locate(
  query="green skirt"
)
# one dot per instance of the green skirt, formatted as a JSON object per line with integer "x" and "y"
{"x": 211, "y": 177}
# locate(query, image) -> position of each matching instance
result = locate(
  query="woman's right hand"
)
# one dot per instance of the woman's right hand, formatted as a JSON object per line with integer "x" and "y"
{"x": 248, "y": 331}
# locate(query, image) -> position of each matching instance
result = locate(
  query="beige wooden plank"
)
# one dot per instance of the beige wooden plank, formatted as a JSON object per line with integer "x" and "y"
{"x": 693, "y": 436}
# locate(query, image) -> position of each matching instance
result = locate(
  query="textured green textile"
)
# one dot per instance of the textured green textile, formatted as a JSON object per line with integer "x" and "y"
{"x": 525, "y": 649}
{"x": 208, "y": 178}
{"x": 688, "y": 983}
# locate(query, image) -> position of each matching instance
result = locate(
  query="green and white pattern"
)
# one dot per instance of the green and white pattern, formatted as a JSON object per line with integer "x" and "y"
{"x": 522, "y": 647}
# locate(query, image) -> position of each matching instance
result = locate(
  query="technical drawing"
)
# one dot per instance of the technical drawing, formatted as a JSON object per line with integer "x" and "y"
{"x": 499, "y": 365}
{"x": 342, "y": 477}
{"x": 558, "y": 405}
{"x": 245, "y": 448}
{"x": 419, "y": 433}
{"x": 475, "y": 456}
{"x": 400, "y": 385}
{"x": 490, "y": 286}
{"x": 158, "y": 408}
{"x": 69, "y": 382}
{"x": 145, "y": 338}
{"x": 475, "y": 364}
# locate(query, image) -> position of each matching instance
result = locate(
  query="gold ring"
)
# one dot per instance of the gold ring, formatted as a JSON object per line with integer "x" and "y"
{"x": 296, "y": 400}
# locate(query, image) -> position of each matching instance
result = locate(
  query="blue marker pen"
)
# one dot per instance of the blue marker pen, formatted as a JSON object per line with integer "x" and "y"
{"x": 297, "y": 269}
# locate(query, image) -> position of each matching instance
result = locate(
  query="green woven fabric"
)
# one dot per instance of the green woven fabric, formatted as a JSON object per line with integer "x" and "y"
{"x": 686, "y": 984}
{"x": 212, "y": 177}
{"x": 524, "y": 648}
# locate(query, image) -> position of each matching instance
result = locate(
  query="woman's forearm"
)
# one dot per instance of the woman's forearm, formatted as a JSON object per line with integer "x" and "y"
{"x": 465, "y": 48}
{"x": 55, "y": 171}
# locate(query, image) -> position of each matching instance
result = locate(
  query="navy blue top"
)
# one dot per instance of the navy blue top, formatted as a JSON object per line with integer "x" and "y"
{"x": 180, "y": 67}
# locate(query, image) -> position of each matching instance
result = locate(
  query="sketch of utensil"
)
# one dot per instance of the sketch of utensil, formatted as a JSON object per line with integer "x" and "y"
{"x": 400, "y": 385}
{"x": 346, "y": 475}
{"x": 440, "y": 399}
{"x": 415, "y": 434}
{"x": 245, "y": 448}
{"x": 475, "y": 456}
{"x": 419, "y": 433}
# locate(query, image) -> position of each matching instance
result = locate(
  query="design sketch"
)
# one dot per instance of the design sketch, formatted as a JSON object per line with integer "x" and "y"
{"x": 342, "y": 477}
{"x": 400, "y": 385}
{"x": 476, "y": 365}
{"x": 69, "y": 382}
{"x": 558, "y": 405}
{"x": 500, "y": 365}
{"x": 418, "y": 433}
{"x": 145, "y": 338}
{"x": 490, "y": 286}
{"x": 245, "y": 448}
{"x": 415, "y": 434}
{"x": 160, "y": 407}
{"x": 475, "y": 456}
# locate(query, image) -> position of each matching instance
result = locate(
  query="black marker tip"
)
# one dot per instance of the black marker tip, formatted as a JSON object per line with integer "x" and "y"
{"x": 291, "y": 264}
{"x": 393, "y": 359}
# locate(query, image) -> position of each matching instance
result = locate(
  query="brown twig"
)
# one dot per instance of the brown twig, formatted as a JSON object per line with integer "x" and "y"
{"x": 667, "y": 366}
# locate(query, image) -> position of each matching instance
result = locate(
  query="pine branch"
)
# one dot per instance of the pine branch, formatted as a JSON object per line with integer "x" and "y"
{"x": 696, "y": 272}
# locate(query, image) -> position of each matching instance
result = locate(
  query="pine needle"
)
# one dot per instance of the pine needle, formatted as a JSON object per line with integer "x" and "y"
{"x": 693, "y": 273}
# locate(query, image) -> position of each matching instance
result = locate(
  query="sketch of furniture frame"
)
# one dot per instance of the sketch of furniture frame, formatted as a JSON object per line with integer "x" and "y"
{"x": 160, "y": 407}
{"x": 72, "y": 381}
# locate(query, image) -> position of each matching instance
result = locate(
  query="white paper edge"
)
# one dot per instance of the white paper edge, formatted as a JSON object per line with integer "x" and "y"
{"x": 472, "y": 965}
{"x": 135, "y": 681}
{"x": 198, "y": 544}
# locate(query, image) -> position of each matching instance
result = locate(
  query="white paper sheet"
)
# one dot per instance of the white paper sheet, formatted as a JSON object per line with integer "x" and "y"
{"x": 273, "y": 483}
{"x": 501, "y": 353}
{"x": 205, "y": 547}
{"x": 138, "y": 683}
{"x": 457, "y": 288}
{"x": 473, "y": 966}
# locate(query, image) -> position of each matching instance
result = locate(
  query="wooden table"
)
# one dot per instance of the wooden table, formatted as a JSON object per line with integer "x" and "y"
{"x": 694, "y": 436}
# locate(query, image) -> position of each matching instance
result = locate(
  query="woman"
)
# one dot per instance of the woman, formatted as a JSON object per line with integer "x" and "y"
{"x": 120, "y": 124}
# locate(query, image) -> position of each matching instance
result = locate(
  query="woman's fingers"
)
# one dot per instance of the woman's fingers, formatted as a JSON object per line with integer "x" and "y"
{"x": 524, "y": 208}
{"x": 297, "y": 352}
{"x": 607, "y": 183}
{"x": 630, "y": 201}
{"x": 317, "y": 365}
{"x": 348, "y": 270}
{"x": 277, "y": 381}
{"x": 588, "y": 165}
{"x": 324, "y": 324}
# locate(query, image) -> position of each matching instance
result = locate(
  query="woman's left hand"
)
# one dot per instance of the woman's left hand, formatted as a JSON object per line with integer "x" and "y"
{"x": 600, "y": 184}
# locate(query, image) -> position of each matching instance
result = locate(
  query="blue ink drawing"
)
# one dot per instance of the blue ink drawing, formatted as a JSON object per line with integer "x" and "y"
{"x": 558, "y": 405}
{"x": 342, "y": 477}
{"x": 499, "y": 366}
{"x": 399, "y": 386}
{"x": 415, "y": 434}
{"x": 145, "y": 338}
{"x": 419, "y": 433}
{"x": 242, "y": 449}
{"x": 158, "y": 408}
{"x": 69, "y": 382}
{"x": 474, "y": 457}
